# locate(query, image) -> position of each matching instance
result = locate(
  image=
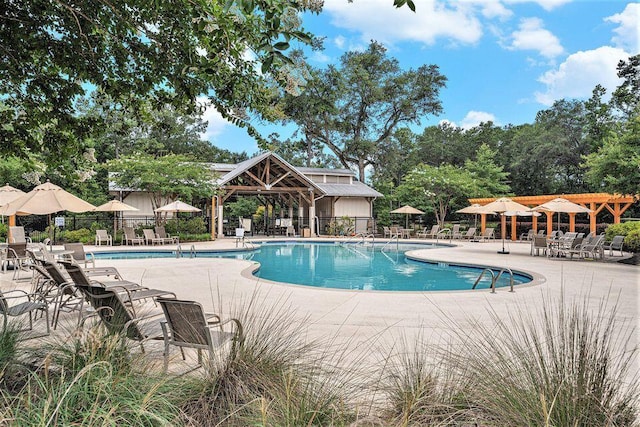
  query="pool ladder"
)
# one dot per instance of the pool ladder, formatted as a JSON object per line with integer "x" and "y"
{"x": 192, "y": 251}
{"x": 494, "y": 278}
{"x": 395, "y": 238}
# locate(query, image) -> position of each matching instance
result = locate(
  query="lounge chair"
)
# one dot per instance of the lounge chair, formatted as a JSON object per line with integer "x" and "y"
{"x": 432, "y": 234}
{"x": 33, "y": 303}
{"x": 455, "y": 232}
{"x": 489, "y": 234}
{"x": 161, "y": 233}
{"x": 103, "y": 236}
{"x": 526, "y": 236}
{"x": 79, "y": 254}
{"x": 121, "y": 318}
{"x": 50, "y": 283}
{"x": 18, "y": 235}
{"x": 150, "y": 237}
{"x": 386, "y": 232}
{"x": 470, "y": 234}
{"x": 445, "y": 233}
{"x": 186, "y": 325}
{"x": 589, "y": 248}
{"x": 130, "y": 237}
{"x": 615, "y": 244}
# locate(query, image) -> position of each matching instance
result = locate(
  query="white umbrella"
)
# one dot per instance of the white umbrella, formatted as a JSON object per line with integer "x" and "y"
{"x": 9, "y": 194}
{"x": 46, "y": 199}
{"x": 475, "y": 209}
{"x": 501, "y": 205}
{"x": 560, "y": 205}
{"x": 407, "y": 210}
{"x": 115, "y": 206}
{"x": 177, "y": 206}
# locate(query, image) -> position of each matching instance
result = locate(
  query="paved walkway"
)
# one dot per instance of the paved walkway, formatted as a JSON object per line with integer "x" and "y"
{"x": 357, "y": 318}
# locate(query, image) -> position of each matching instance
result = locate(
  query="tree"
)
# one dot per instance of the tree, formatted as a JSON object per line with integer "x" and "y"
{"x": 167, "y": 177}
{"x": 615, "y": 167}
{"x": 353, "y": 109}
{"x": 626, "y": 97}
{"x": 490, "y": 178}
{"x": 437, "y": 188}
{"x": 137, "y": 51}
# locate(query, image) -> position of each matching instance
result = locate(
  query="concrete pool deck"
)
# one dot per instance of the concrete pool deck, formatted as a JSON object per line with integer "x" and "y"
{"x": 359, "y": 319}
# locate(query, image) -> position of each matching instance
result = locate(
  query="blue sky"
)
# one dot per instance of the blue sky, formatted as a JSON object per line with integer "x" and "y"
{"x": 505, "y": 60}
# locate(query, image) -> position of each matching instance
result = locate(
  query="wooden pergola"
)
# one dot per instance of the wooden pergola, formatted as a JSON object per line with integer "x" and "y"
{"x": 597, "y": 202}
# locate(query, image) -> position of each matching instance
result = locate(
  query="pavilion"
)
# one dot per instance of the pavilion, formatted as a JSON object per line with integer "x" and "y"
{"x": 614, "y": 203}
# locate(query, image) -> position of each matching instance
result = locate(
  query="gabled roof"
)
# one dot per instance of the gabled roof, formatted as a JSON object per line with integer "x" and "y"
{"x": 246, "y": 166}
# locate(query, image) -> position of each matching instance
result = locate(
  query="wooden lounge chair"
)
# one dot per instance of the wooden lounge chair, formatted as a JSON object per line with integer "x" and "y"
{"x": 186, "y": 325}
{"x": 103, "y": 236}
{"x": 130, "y": 237}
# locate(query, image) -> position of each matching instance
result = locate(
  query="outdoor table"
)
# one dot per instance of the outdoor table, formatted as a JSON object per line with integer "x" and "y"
{"x": 405, "y": 233}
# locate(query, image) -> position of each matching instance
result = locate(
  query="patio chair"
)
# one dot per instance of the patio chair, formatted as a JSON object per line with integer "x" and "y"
{"x": 161, "y": 233}
{"x": 470, "y": 234}
{"x": 151, "y": 238}
{"x": 34, "y": 303}
{"x": 19, "y": 258}
{"x": 615, "y": 244}
{"x": 56, "y": 289}
{"x": 538, "y": 243}
{"x": 589, "y": 248}
{"x": 489, "y": 234}
{"x": 103, "y": 236}
{"x": 79, "y": 254}
{"x": 246, "y": 223}
{"x": 130, "y": 237}
{"x": 18, "y": 235}
{"x": 386, "y": 232}
{"x": 121, "y": 318}
{"x": 455, "y": 232}
{"x": 526, "y": 236}
{"x": 186, "y": 325}
{"x": 433, "y": 233}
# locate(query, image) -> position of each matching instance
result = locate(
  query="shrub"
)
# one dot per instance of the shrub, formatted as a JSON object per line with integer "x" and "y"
{"x": 194, "y": 225}
{"x": 3, "y": 231}
{"x": 632, "y": 241}
{"x": 621, "y": 229}
{"x": 81, "y": 235}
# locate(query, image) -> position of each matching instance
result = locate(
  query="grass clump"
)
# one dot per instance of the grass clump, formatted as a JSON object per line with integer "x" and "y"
{"x": 565, "y": 365}
{"x": 274, "y": 377}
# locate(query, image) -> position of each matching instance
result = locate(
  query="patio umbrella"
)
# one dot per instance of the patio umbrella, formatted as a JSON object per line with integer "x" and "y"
{"x": 115, "y": 206}
{"x": 407, "y": 210}
{"x": 9, "y": 194}
{"x": 177, "y": 206}
{"x": 46, "y": 199}
{"x": 474, "y": 209}
{"x": 501, "y": 205}
{"x": 561, "y": 205}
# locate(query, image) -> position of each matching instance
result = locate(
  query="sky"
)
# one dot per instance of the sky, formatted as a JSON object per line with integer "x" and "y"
{"x": 504, "y": 60}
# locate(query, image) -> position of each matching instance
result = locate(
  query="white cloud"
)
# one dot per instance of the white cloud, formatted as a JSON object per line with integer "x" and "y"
{"x": 216, "y": 123}
{"x": 531, "y": 35}
{"x": 545, "y": 4}
{"x": 490, "y": 8}
{"x": 580, "y": 73}
{"x": 339, "y": 41}
{"x": 379, "y": 20}
{"x": 320, "y": 57}
{"x": 627, "y": 35}
{"x": 474, "y": 118}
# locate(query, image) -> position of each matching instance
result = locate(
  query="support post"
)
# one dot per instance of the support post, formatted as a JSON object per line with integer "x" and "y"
{"x": 549, "y": 222}
{"x": 572, "y": 222}
{"x": 220, "y": 219}
{"x": 514, "y": 230}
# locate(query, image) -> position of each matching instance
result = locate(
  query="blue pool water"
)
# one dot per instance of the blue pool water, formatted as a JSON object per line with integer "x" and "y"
{"x": 340, "y": 266}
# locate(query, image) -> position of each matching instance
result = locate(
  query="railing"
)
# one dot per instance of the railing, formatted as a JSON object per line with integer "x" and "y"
{"x": 192, "y": 251}
{"x": 360, "y": 238}
{"x": 397, "y": 240}
{"x": 494, "y": 278}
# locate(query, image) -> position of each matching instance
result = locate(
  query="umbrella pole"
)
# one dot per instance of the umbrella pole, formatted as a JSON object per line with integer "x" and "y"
{"x": 503, "y": 231}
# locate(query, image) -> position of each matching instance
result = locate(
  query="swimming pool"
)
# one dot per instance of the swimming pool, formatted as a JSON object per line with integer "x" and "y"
{"x": 348, "y": 266}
